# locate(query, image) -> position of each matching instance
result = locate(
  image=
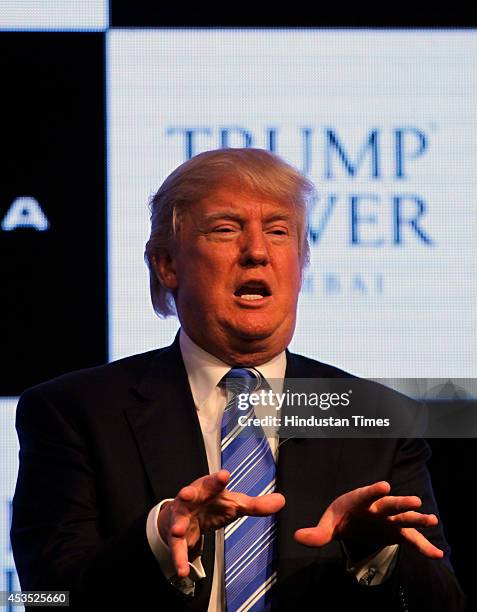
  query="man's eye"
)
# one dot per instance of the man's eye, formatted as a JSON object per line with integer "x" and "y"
{"x": 224, "y": 229}
{"x": 278, "y": 231}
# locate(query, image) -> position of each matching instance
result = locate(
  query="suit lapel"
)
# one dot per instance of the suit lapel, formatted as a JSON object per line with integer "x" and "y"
{"x": 165, "y": 425}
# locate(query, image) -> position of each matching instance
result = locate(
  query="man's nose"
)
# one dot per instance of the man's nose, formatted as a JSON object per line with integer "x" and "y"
{"x": 253, "y": 248}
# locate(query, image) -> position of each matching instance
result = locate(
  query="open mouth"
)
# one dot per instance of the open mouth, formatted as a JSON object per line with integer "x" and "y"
{"x": 253, "y": 291}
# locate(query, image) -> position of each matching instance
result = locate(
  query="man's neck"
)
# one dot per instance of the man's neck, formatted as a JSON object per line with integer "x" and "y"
{"x": 207, "y": 359}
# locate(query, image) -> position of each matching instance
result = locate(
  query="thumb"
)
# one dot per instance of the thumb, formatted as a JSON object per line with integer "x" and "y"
{"x": 203, "y": 489}
{"x": 319, "y": 535}
{"x": 263, "y": 505}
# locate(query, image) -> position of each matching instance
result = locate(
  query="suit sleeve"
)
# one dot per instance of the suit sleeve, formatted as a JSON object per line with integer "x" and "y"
{"x": 424, "y": 584}
{"x": 57, "y": 538}
{"x": 417, "y": 583}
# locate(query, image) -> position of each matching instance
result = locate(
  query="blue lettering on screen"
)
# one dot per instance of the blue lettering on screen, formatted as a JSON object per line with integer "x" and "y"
{"x": 408, "y": 144}
{"x": 401, "y": 137}
{"x": 374, "y": 220}
{"x": 369, "y": 213}
{"x": 334, "y": 144}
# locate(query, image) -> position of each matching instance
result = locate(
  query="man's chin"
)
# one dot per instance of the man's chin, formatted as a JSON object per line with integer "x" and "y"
{"x": 242, "y": 344}
{"x": 260, "y": 340}
{"x": 253, "y": 333}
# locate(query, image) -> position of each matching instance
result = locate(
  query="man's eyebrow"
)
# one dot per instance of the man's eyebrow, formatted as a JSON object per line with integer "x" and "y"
{"x": 280, "y": 215}
{"x": 231, "y": 214}
{"x": 234, "y": 215}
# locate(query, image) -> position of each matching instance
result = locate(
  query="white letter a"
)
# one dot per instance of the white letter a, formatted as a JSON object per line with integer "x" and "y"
{"x": 25, "y": 212}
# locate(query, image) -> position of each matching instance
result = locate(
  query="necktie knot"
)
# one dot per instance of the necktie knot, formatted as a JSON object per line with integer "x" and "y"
{"x": 242, "y": 380}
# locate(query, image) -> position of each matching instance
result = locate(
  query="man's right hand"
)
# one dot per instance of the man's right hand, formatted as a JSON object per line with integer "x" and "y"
{"x": 206, "y": 505}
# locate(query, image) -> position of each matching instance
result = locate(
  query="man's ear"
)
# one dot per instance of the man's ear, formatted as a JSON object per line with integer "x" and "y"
{"x": 165, "y": 267}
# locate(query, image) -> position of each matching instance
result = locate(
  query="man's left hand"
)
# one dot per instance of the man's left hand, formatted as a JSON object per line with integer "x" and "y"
{"x": 368, "y": 518}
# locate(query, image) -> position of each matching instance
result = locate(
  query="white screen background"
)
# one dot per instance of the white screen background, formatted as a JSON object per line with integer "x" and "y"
{"x": 394, "y": 310}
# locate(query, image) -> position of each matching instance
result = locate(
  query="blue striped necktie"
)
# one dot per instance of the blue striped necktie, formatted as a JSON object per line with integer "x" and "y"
{"x": 249, "y": 542}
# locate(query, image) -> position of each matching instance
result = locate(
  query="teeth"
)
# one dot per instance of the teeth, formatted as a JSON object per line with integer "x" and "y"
{"x": 251, "y": 296}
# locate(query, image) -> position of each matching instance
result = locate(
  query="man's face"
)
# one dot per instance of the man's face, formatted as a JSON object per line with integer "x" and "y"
{"x": 236, "y": 274}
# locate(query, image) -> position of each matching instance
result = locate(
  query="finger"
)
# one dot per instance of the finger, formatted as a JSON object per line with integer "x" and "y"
{"x": 365, "y": 496}
{"x": 392, "y": 504}
{"x": 179, "y": 524}
{"x": 421, "y": 543}
{"x": 344, "y": 505}
{"x": 414, "y": 519}
{"x": 180, "y": 556}
{"x": 204, "y": 489}
{"x": 314, "y": 536}
{"x": 263, "y": 505}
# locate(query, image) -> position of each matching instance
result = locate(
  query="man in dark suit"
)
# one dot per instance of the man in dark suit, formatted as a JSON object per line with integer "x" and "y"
{"x": 121, "y": 497}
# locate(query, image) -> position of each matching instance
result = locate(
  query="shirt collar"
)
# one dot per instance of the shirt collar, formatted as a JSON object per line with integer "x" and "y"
{"x": 206, "y": 371}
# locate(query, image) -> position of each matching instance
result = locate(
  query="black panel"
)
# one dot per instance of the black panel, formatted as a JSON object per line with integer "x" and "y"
{"x": 53, "y": 282}
{"x": 455, "y": 487}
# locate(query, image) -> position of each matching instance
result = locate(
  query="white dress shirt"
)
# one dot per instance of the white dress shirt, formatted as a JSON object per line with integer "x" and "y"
{"x": 205, "y": 372}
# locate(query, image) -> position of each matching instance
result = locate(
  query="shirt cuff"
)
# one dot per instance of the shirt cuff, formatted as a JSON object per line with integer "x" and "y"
{"x": 373, "y": 570}
{"x": 162, "y": 553}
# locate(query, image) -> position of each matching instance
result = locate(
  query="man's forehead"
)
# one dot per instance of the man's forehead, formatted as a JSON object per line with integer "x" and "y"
{"x": 229, "y": 202}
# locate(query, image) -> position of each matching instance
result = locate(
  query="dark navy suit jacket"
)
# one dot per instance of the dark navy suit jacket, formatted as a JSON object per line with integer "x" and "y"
{"x": 100, "y": 447}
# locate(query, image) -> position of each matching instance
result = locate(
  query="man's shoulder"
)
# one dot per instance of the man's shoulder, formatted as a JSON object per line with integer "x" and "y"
{"x": 93, "y": 399}
{"x": 372, "y": 398}
{"x": 299, "y": 366}
{"x": 109, "y": 377}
